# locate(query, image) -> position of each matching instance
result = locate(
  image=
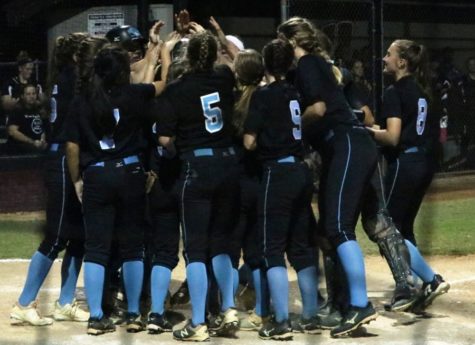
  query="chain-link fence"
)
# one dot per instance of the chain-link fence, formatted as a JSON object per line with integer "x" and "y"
{"x": 360, "y": 39}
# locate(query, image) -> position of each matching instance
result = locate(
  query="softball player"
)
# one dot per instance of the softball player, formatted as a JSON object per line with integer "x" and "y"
{"x": 409, "y": 132}
{"x": 249, "y": 70}
{"x": 273, "y": 128}
{"x": 104, "y": 140}
{"x": 348, "y": 156}
{"x": 64, "y": 229}
{"x": 163, "y": 209}
{"x": 196, "y": 110}
{"x": 375, "y": 218}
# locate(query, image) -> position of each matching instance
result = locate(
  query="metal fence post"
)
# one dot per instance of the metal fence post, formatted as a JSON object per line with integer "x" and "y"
{"x": 377, "y": 48}
{"x": 284, "y": 10}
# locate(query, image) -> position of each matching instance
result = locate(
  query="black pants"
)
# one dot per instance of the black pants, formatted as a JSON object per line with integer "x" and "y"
{"x": 246, "y": 233}
{"x": 284, "y": 211}
{"x": 407, "y": 181}
{"x": 349, "y": 160}
{"x": 164, "y": 213}
{"x": 209, "y": 205}
{"x": 374, "y": 198}
{"x": 114, "y": 204}
{"x": 64, "y": 224}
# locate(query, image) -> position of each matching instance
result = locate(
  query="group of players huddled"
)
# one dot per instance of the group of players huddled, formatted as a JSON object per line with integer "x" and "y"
{"x": 210, "y": 140}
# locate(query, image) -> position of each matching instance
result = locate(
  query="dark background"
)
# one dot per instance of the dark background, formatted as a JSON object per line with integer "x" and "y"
{"x": 24, "y": 23}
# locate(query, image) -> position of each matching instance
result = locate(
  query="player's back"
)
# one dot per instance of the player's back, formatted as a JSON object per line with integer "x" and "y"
{"x": 274, "y": 114}
{"x": 202, "y": 105}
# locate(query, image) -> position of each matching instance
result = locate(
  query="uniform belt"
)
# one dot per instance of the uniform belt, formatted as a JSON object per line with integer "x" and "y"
{"x": 55, "y": 147}
{"x": 288, "y": 159}
{"x": 210, "y": 152}
{"x": 414, "y": 149}
{"x": 118, "y": 162}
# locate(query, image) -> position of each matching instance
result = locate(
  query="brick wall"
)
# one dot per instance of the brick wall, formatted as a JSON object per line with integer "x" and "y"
{"x": 22, "y": 186}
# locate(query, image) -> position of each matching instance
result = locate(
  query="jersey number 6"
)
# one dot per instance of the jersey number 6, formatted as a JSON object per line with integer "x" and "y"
{"x": 213, "y": 116}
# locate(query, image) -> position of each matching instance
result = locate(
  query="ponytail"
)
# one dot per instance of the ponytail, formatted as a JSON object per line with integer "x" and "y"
{"x": 417, "y": 63}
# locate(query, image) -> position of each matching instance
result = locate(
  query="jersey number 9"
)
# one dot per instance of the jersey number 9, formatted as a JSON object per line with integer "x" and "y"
{"x": 295, "y": 112}
{"x": 213, "y": 116}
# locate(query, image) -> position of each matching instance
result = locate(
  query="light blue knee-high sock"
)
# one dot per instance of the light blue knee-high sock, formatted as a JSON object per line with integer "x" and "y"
{"x": 418, "y": 264}
{"x": 70, "y": 269}
{"x": 279, "y": 292}
{"x": 94, "y": 284}
{"x": 159, "y": 283}
{"x": 133, "y": 280}
{"x": 353, "y": 263}
{"x": 197, "y": 280}
{"x": 37, "y": 272}
{"x": 235, "y": 281}
{"x": 259, "y": 308}
{"x": 308, "y": 285}
{"x": 223, "y": 271}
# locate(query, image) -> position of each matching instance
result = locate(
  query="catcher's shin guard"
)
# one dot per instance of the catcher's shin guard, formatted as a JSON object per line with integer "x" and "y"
{"x": 382, "y": 230}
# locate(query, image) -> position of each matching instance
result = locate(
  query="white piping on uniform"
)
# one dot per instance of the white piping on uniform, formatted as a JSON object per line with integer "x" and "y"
{"x": 394, "y": 182}
{"x": 343, "y": 183}
{"x": 380, "y": 175}
{"x": 265, "y": 213}
{"x": 60, "y": 225}
{"x": 183, "y": 211}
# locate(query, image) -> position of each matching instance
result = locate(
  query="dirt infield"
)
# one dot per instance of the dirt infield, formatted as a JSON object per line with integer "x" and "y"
{"x": 451, "y": 320}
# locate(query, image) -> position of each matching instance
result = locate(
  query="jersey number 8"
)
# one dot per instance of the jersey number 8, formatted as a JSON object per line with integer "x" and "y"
{"x": 421, "y": 115}
{"x": 213, "y": 116}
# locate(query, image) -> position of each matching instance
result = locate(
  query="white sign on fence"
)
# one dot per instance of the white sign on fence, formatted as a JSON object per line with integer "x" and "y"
{"x": 99, "y": 23}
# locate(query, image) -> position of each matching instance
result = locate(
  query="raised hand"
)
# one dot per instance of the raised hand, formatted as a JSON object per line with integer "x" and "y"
{"x": 154, "y": 32}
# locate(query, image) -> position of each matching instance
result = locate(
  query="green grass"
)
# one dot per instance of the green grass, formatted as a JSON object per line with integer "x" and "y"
{"x": 442, "y": 228}
{"x": 19, "y": 239}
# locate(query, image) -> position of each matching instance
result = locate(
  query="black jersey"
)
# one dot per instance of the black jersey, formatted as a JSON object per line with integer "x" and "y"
{"x": 406, "y": 100}
{"x": 316, "y": 83}
{"x": 130, "y": 109}
{"x": 29, "y": 122}
{"x": 274, "y": 115}
{"x": 62, "y": 94}
{"x": 197, "y": 109}
{"x": 13, "y": 87}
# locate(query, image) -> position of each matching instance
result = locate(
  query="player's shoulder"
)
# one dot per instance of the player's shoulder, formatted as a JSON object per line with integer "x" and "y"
{"x": 223, "y": 70}
{"x": 312, "y": 60}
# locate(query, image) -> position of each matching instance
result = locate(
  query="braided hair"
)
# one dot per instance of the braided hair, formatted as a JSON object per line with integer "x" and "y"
{"x": 202, "y": 52}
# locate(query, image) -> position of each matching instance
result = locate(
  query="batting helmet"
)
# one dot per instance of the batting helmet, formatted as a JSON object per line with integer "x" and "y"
{"x": 124, "y": 34}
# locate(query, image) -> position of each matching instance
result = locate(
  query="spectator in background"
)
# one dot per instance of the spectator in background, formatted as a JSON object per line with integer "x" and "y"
{"x": 469, "y": 92}
{"x": 12, "y": 89}
{"x": 25, "y": 127}
{"x": 361, "y": 83}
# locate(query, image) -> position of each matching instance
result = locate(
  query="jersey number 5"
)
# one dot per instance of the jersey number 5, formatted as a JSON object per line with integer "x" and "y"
{"x": 213, "y": 116}
{"x": 421, "y": 115}
{"x": 295, "y": 112}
